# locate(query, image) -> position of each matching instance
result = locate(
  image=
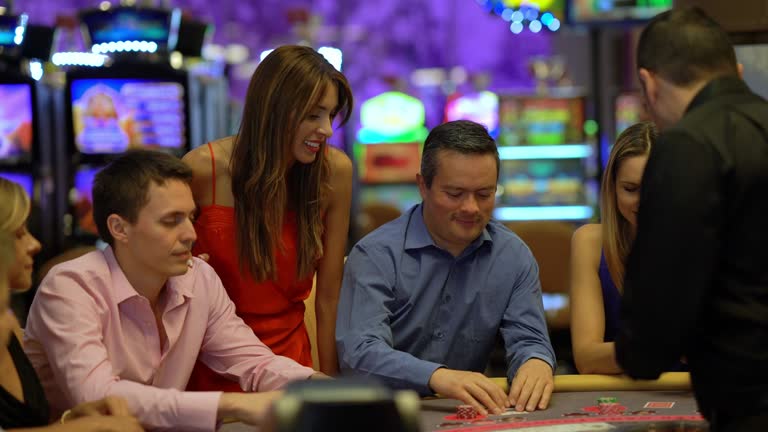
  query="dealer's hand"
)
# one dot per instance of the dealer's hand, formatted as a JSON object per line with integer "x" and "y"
{"x": 532, "y": 386}
{"x": 472, "y": 388}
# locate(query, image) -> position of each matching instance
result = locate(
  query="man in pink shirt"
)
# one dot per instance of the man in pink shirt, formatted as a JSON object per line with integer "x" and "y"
{"x": 131, "y": 320}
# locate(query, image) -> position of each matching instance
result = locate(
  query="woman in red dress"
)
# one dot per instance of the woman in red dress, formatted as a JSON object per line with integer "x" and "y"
{"x": 274, "y": 206}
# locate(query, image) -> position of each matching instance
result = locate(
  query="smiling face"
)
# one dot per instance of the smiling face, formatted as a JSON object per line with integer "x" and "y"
{"x": 160, "y": 242}
{"x": 459, "y": 204}
{"x": 316, "y": 127}
{"x": 628, "y": 178}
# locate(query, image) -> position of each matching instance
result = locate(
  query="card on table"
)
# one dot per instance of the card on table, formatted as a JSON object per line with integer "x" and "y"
{"x": 659, "y": 405}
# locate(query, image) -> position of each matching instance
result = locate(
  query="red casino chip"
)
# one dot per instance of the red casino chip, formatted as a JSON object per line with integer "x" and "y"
{"x": 466, "y": 412}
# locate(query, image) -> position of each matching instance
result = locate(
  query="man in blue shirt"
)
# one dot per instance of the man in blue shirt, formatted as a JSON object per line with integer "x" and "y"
{"x": 425, "y": 295}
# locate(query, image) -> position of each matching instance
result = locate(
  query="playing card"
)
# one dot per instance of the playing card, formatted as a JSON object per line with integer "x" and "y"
{"x": 659, "y": 405}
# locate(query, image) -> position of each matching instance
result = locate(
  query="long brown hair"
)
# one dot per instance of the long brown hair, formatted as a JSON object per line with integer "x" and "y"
{"x": 285, "y": 86}
{"x": 618, "y": 235}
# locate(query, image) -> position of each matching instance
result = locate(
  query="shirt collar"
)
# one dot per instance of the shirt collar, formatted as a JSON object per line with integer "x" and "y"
{"x": 179, "y": 285}
{"x": 417, "y": 236}
{"x": 716, "y": 88}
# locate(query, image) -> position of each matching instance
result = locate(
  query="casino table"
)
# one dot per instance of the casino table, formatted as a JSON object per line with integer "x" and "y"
{"x": 666, "y": 404}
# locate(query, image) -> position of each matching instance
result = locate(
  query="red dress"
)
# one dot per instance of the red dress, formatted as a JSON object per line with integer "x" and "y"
{"x": 273, "y": 309}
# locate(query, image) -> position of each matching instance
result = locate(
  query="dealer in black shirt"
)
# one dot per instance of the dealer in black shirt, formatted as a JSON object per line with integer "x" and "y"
{"x": 696, "y": 284}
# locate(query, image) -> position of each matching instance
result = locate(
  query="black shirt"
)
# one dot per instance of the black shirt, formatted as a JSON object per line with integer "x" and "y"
{"x": 697, "y": 277}
{"x": 34, "y": 411}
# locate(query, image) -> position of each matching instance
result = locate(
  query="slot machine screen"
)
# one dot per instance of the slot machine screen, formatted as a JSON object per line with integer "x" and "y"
{"x": 629, "y": 110}
{"x": 543, "y": 182}
{"x": 388, "y": 162}
{"x": 25, "y": 180}
{"x": 481, "y": 107}
{"x": 119, "y": 24}
{"x": 540, "y": 121}
{"x": 16, "y": 116}
{"x": 81, "y": 200}
{"x": 614, "y": 11}
{"x": 112, "y": 115}
{"x": 402, "y": 196}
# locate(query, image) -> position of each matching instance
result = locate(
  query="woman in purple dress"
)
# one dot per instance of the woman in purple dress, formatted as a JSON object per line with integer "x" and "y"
{"x": 599, "y": 253}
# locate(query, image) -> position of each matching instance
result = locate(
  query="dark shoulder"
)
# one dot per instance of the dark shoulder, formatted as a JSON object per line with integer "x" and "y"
{"x": 706, "y": 122}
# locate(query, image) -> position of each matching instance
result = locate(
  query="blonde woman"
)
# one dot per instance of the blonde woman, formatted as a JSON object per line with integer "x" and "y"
{"x": 599, "y": 254}
{"x": 22, "y": 401}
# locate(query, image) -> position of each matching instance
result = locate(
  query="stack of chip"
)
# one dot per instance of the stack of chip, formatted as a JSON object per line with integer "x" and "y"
{"x": 608, "y": 406}
{"x": 466, "y": 412}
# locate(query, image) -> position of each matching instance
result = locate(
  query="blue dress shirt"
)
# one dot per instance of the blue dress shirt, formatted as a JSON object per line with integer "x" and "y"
{"x": 408, "y": 307}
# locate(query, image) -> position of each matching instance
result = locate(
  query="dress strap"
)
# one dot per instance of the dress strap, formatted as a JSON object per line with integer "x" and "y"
{"x": 213, "y": 175}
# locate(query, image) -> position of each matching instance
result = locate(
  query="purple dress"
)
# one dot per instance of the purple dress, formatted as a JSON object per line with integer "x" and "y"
{"x": 611, "y": 301}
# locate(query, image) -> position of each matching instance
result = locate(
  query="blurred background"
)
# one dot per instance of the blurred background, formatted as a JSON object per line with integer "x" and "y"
{"x": 553, "y": 80}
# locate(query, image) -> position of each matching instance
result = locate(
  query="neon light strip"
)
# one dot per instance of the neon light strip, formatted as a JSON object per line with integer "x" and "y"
{"x": 563, "y": 151}
{"x": 543, "y": 213}
{"x": 78, "y": 59}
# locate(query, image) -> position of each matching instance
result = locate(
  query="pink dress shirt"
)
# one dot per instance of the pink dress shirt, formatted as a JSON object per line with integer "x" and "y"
{"x": 89, "y": 334}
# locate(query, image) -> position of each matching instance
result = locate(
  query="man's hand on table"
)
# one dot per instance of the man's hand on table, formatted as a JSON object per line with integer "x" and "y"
{"x": 532, "y": 386}
{"x": 472, "y": 388}
{"x": 110, "y": 414}
{"x": 249, "y": 408}
{"x": 98, "y": 423}
{"x": 110, "y": 405}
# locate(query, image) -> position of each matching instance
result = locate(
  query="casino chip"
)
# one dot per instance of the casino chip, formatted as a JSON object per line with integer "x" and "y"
{"x": 466, "y": 412}
{"x": 609, "y": 406}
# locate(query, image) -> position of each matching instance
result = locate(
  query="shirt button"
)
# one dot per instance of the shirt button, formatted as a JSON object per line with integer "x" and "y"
{"x": 439, "y": 334}
{"x": 447, "y": 298}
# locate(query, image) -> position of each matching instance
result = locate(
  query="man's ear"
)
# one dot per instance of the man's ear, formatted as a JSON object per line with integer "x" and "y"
{"x": 422, "y": 186}
{"x": 118, "y": 227}
{"x": 649, "y": 84}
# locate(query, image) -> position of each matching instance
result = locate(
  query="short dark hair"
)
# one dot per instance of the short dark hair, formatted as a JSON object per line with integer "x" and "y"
{"x": 686, "y": 46}
{"x": 122, "y": 187}
{"x": 462, "y": 136}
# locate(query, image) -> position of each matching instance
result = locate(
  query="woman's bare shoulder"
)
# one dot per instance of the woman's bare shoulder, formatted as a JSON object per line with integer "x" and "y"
{"x": 588, "y": 239}
{"x": 589, "y": 232}
{"x": 199, "y": 158}
{"x": 338, "y": 160}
